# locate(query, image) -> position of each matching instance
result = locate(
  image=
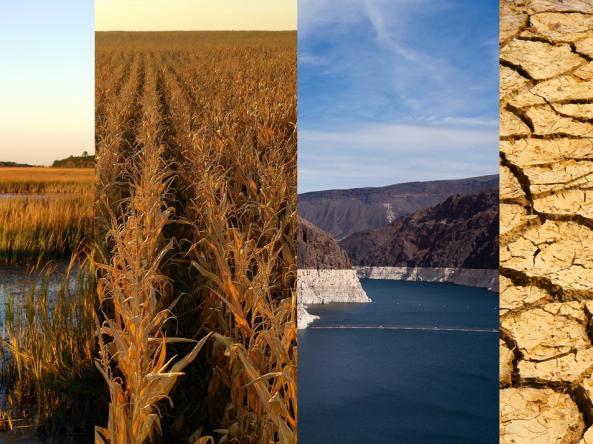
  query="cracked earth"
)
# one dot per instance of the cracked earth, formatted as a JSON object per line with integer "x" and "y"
{"x": 546, "y": 227}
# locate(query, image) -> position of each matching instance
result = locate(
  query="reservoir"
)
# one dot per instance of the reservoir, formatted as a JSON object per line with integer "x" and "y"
{"x": 418, "y": 365}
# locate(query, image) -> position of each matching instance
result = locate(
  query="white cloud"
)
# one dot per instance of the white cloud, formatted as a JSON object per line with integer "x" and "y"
{"x": 403, "y": 138}
{"x": 383, "y": 16}
{"x": 314, "y": 14}
{"x": 354, "y": 173}
{"x": 470, "y": 121}
{"x": 382, "y": 154}
{"x": 312, "y": 59}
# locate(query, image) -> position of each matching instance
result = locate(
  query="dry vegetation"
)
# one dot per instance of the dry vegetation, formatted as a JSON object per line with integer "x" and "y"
{"x": 44, "y": 212}
{"x": 47, "y": 350}
{"x": 196, "y": 144}
{"x": 41, "y": 228}
{"x": 190, "y": 313}
{"x": 47, "y": 345}
{"x": 46, "y": 180}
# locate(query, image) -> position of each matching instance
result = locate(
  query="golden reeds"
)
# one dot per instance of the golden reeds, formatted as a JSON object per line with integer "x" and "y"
{"x": 47, "y": 348}
{"x": 37, "y": 228}
{"x": 44, "y": 212}
{"x": 46, "y": 180}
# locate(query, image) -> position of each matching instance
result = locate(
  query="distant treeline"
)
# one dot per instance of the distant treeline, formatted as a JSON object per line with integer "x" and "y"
{"x": 14, "y": 164}
{"x": 75, "y": 162}
{"x": 84, "y": 161}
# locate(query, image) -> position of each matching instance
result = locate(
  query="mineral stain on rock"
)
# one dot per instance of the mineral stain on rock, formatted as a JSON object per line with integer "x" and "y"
{"x": 546, "y": 221}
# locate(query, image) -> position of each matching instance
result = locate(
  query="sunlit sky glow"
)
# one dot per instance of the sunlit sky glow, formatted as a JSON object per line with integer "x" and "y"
{"x": 159, "y": 15}
{"x": 393, "y": 91}
{"x": 46, "y": 80}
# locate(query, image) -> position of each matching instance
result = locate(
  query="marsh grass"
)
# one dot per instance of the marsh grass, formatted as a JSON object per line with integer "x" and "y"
{"x": 45, "y": 213}
{"x": 46, "y": 180}
{"x": 40, "y": 228}
{"x": 47, "y": 350}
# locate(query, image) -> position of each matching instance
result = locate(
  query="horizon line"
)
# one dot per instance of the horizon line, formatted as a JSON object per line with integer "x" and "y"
{"x": 397, "y": 183}
{"x": 196, "y": 30}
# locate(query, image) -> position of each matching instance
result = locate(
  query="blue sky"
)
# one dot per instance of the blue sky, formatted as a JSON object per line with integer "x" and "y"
{"x": 396, "y": 90}
{"x": 46, "y": 79}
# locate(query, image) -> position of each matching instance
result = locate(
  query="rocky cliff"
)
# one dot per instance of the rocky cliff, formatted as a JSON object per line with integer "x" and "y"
{"x": 461, "y": 232}
{"x": 470, "y": 277}
{"x": 329, "y": 286}
{"x": 318, "y": 250}
{"x": 325, "y": 274}
{"x": 344, "y": 212}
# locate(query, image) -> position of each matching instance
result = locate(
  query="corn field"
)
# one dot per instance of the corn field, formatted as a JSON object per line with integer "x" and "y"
{"x": 196, "y": 229}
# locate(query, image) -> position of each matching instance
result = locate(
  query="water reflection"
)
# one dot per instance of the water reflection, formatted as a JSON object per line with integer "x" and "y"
{"x": 39, "y": 196}
{"x": 17, "y": 281}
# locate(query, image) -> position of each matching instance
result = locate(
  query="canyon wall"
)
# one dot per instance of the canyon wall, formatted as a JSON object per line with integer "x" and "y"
{"x": 325, "y": 273}
{"x": 459, "y": 233}
{"x": 344, "y": 212}
{"x": 470, "y": 277}
{"x": 325, "y": 286}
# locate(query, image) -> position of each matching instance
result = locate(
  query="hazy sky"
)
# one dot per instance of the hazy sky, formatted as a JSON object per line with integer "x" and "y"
{"x": 46, "y": 79}
{"x": 156, "y": 15}
{"x": 396, "y": 90}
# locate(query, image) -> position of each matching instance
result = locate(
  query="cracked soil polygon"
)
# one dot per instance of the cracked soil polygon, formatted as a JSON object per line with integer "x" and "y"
{"x": 546, "y": 237}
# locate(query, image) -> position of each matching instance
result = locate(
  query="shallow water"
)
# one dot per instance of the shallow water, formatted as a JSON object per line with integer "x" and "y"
{"x": 420, "y": 364}
{"x": 17, "y": 281}
{"x": 39, "y": 196}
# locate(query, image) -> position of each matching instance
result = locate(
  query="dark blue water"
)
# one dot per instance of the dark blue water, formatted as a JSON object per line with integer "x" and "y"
{"x": 427, "y": 374}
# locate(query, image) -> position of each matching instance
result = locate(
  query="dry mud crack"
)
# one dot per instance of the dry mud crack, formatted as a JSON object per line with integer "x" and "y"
{"x": 546, "y": 229}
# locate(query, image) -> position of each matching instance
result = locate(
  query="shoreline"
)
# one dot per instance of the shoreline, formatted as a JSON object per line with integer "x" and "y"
{"x": 316, "y": 287}
{"x": 329, "y": 286}
{"x": 469, "y": 277}
{"x": 326, "y": 286}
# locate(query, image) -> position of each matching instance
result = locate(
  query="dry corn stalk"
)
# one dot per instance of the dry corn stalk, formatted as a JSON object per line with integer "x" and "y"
{"x": 228, "y": 117}
{"x": 134, "y": 293}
